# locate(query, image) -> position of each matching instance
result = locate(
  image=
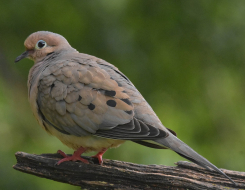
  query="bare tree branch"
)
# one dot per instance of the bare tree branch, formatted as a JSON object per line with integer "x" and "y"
{"x": 123, "y": 175}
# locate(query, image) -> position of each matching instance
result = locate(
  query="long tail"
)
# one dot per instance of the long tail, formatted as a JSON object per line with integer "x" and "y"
{"x": 185, "y": 151}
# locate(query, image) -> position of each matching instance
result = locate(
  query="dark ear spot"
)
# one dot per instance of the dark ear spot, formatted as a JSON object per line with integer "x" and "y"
{"x": 50, "y": 53}
{"x": 111, "y": 103}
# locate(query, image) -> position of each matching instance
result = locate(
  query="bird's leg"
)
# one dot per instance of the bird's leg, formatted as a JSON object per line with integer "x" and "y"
{"x": 75, "y": 157}
{"x": 99, "y": 155}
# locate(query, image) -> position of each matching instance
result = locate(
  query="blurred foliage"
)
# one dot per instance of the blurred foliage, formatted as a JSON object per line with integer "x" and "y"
{"x": 186, "y": 57}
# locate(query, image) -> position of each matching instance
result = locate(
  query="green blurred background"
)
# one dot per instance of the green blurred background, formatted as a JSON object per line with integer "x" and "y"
{"x": 186, "y": 57}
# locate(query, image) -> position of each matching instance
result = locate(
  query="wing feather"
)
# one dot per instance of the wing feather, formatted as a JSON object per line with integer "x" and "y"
{"x": 79, "y": 99}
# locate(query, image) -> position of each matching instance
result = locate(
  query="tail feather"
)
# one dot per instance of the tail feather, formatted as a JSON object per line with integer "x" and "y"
{"x": 185, "y": 151}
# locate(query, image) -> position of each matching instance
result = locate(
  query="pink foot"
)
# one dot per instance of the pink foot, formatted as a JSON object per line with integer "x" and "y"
{"x": 75, "y": 157}
{"x": 99, "y": 155}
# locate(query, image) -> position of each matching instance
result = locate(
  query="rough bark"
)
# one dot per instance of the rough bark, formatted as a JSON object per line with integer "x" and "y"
{"x": 123, "y": 175}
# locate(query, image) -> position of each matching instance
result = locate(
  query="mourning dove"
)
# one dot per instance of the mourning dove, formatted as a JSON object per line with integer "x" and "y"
{"x": 89, "y": 105}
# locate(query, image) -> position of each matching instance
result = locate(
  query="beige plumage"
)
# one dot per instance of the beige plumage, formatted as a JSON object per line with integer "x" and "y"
{"x": 89, "y": 105}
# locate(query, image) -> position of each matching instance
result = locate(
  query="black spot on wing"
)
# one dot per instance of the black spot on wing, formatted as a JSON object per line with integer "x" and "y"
{"x": 91, "y": 106}
{"x": 111, "y": 103}
{"x": 129, "y": 112}
{"x": 110, "y": 93}
{"x": 79, "y": 98}
{"x": 127, "y": 101}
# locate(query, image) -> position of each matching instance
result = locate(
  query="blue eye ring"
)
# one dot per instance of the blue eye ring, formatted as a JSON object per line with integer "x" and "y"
{"x": 40, "y": 44}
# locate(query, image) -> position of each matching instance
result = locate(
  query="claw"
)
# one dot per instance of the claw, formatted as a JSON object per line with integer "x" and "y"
{"x": 75, "y": 157}
{"x": 99, "y": 155}
{"x": 62, "y": 153}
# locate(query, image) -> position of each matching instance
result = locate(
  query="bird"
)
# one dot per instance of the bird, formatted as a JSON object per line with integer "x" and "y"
{"x": 90, "y": 105}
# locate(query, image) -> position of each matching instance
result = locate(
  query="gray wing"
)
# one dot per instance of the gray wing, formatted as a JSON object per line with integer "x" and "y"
{"x": 79, "y": 98}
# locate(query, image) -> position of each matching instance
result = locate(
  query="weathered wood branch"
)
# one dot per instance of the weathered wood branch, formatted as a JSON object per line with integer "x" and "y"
{"x": 123, "y": 175}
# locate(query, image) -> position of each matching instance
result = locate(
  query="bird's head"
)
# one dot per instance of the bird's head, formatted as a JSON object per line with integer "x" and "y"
{"x": 41, "y": 44}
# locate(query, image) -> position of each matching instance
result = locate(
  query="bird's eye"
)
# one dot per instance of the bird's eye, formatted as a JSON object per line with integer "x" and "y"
{"x": 40, "y": 44}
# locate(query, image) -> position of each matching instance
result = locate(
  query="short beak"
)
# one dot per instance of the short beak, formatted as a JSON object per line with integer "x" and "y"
{"x": 22, "y": 56}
